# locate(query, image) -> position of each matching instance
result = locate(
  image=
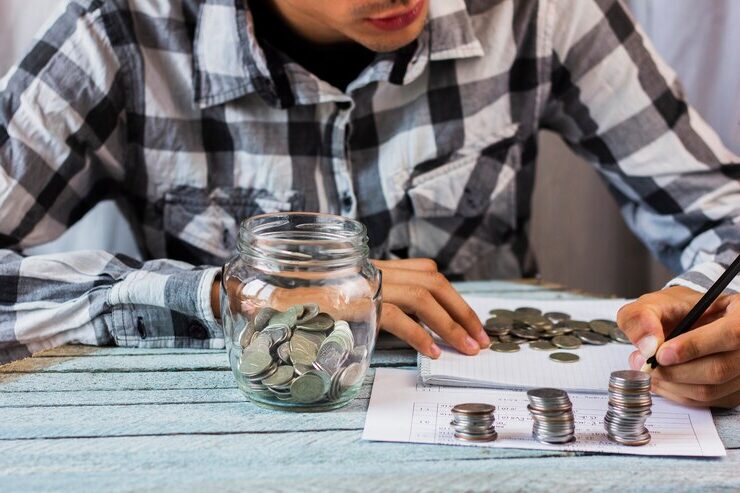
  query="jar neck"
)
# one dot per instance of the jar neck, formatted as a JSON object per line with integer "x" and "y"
{"x": 303, "y": 242}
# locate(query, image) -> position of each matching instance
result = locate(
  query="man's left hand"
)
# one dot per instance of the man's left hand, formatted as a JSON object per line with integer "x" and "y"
{"x": 700, "y": 367}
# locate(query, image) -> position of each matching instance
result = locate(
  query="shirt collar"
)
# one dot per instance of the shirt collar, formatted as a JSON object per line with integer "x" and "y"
{"x": 229, "y": 63}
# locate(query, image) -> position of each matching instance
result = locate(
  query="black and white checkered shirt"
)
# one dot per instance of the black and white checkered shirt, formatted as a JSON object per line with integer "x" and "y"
{"x": 173, "y": 109}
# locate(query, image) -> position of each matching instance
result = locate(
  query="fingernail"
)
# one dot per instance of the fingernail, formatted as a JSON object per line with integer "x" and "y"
{"x": 637, "y": 360}
{"x": 435, "y": 351}
{"x": 471, "y": 344}
{"x": 483, "y": 339}
{"x": 667, "y": 356}
{"x": 647, "y": 346}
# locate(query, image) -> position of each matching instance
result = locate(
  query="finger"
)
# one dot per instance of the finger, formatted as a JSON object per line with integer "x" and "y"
{"x": 420, "y": 302}
{"x": 396, "y": 322}
{"x": 650, "y": 318}
{"x": 713, "y": 369}
{"x": 420, "y": 264}
{"x": 701, "y": 395}
{"x": 719, "y": 336}
{"x": 446, "y": 295}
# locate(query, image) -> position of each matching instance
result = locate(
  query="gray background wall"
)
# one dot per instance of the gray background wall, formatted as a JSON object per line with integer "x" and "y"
{"x": 576, "y": 230}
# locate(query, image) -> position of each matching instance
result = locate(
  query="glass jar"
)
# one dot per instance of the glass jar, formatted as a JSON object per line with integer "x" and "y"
{"x": 300, "y": 306}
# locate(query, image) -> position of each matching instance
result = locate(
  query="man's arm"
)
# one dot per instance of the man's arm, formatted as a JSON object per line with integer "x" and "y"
{"x": 618, "y": 105}
{"x": 63, "y": 141}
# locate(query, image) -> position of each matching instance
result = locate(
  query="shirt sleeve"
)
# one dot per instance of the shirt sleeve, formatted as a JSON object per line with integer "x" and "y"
{"x": 617, "y": 104}
{"x": 63, "y": 142}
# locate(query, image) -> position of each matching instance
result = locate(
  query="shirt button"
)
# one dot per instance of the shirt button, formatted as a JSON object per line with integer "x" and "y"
{"x": 346, "y": 203}
{"x": 197, "y": 331}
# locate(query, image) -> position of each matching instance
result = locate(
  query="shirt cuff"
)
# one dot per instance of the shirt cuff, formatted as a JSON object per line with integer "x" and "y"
{"x": 143, "y": 298}
{"x": 702, "y": 276}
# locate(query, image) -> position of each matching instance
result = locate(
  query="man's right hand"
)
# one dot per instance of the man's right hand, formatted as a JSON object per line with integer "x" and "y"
{"x": 414, "y": 292}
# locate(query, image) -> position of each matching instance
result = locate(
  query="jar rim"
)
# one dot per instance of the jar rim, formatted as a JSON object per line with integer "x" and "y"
{"x": 303, "y": 239}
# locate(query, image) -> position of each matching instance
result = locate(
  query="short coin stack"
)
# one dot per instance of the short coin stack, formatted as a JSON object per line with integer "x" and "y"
{"x": 629, "y": 407}
{"x": 549, "y": 331}
{"x": 474, "y": 422}
{"x": 552, "y": 413}
{"x": 300, "y": 355}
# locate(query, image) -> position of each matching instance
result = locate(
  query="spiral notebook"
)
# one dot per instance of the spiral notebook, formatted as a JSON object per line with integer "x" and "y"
{"x": 529, "y": 368}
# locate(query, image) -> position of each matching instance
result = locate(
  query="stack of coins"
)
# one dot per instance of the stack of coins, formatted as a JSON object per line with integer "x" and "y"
{"x": 474, "y": 422}
{"x": 552, "y": 413}
{"x": 629, "y": 407}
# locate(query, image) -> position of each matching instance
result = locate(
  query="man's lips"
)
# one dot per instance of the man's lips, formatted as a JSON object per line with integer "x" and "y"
{"x": 398, "y": 21}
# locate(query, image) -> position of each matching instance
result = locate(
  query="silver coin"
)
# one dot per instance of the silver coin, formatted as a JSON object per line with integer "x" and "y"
{"x": 555, "y": 317}
{"x": 310, "y": 387}
{"x": 502, "y": 313}
{"x": 310, "y": 311}
{"x": 263, "y": 317}
{"x": 283, "y": 352}
{"x": 592, "y": 338}
{"x": 330, "y": 356}
{"x": 351, "y": 375}
{"x": 564, "y": 357}
{"x": 542, "y": 346}
{"x": 566, "y": 342}
{"x": 617, "y": 335}
{"x": 283, "y": 375}
{"x": 602, "y": 327}
{"x": 528, "y": 310}
{"x": 524, "y": 333}
{"x": 302, "y": 351}
{"x": 474, "y": 408}
{"x": 288, "y": 317}
{"x": 578, "y": 324}
{"x": 320, "y": 323}
{"x": 254, "y": 363}
{"x": 505, "y": 347}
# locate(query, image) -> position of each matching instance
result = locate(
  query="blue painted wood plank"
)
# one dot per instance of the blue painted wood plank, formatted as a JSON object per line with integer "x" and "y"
{"x": 142, "y": 362}
{"x": 335, "y": 461}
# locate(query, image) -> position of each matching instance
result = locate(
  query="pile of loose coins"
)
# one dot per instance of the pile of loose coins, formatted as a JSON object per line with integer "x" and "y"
{"x": 474, "y": 422}
{"x": 629, "y": 407}
{"x": 552, "y": 413}
{"x": 300, "y": 355}
{"x": 550, "y": 331}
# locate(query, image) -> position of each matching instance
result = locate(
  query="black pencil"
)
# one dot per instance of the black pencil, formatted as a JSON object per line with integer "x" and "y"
{"x": 698, "y": 310}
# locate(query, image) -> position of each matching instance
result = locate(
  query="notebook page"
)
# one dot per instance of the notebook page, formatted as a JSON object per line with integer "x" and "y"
{"x": 530, "y": 368}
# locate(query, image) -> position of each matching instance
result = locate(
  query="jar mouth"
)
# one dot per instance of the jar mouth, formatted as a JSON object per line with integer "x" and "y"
{"x": 303, "y": 239}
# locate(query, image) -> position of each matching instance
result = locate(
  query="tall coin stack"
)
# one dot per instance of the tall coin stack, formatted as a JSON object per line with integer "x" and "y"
{"x": 552, "y": 413}
{"x": 629, "y": 407}
{"x": 474, "y": 422}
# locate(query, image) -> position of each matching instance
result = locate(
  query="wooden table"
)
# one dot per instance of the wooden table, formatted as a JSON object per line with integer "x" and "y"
{"x": 107, "y": 419}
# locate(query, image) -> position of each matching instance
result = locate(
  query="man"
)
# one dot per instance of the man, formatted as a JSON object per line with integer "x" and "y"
{"x": 418, "y": 117}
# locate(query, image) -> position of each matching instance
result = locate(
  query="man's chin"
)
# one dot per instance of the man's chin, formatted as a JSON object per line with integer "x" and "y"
{"x": 387, "y": 44}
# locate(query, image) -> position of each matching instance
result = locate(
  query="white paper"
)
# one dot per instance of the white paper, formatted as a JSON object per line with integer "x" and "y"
{"x": 530, "y": 368}
{"x": 403, "y": 410}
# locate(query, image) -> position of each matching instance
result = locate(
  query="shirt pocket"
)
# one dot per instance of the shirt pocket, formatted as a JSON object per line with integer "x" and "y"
{"x": 471, "y": 193}
{"x": 202, "y": 226}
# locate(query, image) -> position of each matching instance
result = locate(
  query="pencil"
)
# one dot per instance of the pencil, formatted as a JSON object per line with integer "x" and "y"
{"x": 698, "y": 310}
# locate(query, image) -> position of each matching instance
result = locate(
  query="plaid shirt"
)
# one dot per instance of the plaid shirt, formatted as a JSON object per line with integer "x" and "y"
{"x": 173, "y": 109}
